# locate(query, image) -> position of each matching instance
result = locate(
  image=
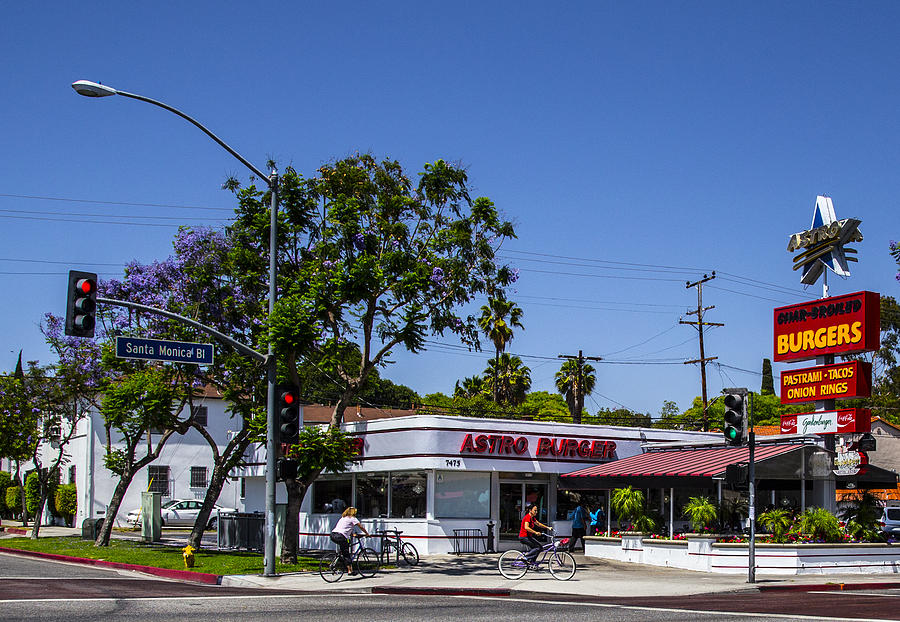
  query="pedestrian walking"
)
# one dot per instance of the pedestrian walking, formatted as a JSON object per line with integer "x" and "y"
{"x": 579, "y": 528}
{"x": 597, "y": 519}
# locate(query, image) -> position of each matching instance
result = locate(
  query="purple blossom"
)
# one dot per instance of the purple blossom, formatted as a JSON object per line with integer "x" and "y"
{"x": 359, "y": 241}
{"x": 437, "y": 275}
{"x": 514, "y": 276}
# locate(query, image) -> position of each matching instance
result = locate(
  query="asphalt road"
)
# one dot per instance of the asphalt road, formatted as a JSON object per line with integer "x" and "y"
{"x": 52, "y": 591}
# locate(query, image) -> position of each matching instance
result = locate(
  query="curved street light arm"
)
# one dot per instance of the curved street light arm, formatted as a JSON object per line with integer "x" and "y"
{"x": 186, "y": 117}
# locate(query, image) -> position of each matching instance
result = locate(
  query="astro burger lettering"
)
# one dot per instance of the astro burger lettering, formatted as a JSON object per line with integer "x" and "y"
{"x": 503, "y": 444}
{"x": 839, "y": 325}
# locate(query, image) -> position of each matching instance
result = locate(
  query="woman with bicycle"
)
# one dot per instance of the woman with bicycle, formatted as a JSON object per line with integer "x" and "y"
{"x": 528, "y": 535}
{"x": 342, "y": 533}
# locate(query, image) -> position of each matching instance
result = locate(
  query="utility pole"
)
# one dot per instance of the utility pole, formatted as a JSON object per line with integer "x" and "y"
{"x": 579, "y": 381}
{"x": 699, "y": 324}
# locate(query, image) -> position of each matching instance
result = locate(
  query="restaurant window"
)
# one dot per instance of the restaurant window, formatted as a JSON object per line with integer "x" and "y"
{"x": 458, "y": 494}
{"x": 408, "y": 495}
{"x": 331, "y": 496}
{"x": 372, "y": 495}
{"x": 158, "y": 479}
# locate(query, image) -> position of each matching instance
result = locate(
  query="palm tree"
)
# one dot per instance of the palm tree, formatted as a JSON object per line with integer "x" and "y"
{"x": 574, "y": 380}
{"x": 472, "y": 386}
{"x": 509, "y": 380}
{"x": 495, "y": 325}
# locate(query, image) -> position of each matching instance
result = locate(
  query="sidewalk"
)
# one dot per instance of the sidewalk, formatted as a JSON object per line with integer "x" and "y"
{"x": 478, "y": 574}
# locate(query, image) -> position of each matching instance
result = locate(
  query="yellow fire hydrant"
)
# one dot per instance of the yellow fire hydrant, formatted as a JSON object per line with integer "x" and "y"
{"x": 188, "y": 553}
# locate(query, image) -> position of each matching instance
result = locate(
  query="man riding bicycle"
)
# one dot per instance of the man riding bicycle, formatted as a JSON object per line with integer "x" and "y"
{"x": 529, "y": 536}
{"x": 343, "y": 531}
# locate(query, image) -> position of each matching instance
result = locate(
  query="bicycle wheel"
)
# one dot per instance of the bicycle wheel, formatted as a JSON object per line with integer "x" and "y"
{"x": 387, "y": 549}
{"x": 513, "y": 564}
{"x": 410, "y": 554}
{"x": 367, "y": 563}
{"x": 331, "y": 567}
{"x": 562, "y": 565}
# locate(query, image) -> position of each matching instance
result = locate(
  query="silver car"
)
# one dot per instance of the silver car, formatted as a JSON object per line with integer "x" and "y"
{"x": 181, "y": 512}
{"x": 890, "y": 521}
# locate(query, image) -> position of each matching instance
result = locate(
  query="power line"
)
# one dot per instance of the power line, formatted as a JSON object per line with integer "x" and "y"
{"x": 98, "y": 202}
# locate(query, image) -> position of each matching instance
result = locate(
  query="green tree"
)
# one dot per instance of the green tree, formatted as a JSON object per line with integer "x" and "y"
{"x": 509, "y": 379}
{"x": 498, "y": 318}
{"x": 144, "y": 401}
{"x": 368, "y": 260}
{"x": 621, "y": 416}
{"x": 574, "y": 380}
{"x": 768, "y": 381}
{"x": 471, "y": 386}
{"x": 862, "y": 516}
{"x": 628, "y": 504}
{"x": 545, "y": 406}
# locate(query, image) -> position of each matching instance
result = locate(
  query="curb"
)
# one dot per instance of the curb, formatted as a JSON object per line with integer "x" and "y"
{"x": 16, "y": 530}
{"x": 442, "y": 591}
{"x": 168, "y": 573}
{"x": 831, "y": 587}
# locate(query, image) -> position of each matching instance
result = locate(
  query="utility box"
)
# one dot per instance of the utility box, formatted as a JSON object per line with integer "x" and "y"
{"x": 151, "y": 516}
{"x": 241, "y": 530}
{"x": 90, "y": 528}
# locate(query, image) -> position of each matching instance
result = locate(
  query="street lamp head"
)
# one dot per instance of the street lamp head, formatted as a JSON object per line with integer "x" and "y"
{"x": 92, "y": 89}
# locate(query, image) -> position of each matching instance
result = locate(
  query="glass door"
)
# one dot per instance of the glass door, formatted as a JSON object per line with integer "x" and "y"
{"x": 514, "y": 498}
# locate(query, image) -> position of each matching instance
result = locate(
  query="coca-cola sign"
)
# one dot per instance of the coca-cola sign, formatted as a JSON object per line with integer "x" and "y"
{"x": 844, "y": 421}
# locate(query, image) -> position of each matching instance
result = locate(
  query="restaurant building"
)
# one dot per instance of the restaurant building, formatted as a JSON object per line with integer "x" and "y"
{"x": 440, "y": 478}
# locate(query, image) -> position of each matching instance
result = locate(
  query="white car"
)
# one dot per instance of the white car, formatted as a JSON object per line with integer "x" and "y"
{"x": 181, "y": 512}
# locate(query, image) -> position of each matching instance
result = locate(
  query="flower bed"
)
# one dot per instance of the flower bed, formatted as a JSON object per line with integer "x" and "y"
{"x": 707, "y": 554}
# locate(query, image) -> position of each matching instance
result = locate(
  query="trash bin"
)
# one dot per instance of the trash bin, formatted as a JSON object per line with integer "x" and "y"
{"x": 90, "y": 528}
{"x": 241, "y": 530}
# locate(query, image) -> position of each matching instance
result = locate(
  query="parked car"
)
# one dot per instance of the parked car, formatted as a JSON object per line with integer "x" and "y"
{"x": 890, "y": 521}
{"x": 180, "y": 512}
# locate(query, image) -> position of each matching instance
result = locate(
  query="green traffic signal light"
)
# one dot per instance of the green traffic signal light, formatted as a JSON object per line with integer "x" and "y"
{"x": 735, "y": 429}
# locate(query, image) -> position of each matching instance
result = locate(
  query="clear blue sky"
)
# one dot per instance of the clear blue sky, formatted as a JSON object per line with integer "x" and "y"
{"x": 636, "y": 146}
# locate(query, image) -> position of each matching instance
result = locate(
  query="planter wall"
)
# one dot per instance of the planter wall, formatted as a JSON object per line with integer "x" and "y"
{"x": 705, "y": 555}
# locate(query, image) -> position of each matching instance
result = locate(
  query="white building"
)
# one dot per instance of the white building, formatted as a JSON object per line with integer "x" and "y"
{"x": 182, "y": 470}
{"x": 432, "y": 476}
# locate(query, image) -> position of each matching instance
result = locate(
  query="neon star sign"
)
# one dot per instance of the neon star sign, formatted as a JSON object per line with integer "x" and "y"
{"x": 823, "y": 244}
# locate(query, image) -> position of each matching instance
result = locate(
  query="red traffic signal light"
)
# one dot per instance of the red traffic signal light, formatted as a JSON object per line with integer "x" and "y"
{"x": 81, "y": 304}
{"x": 288, "y": 415}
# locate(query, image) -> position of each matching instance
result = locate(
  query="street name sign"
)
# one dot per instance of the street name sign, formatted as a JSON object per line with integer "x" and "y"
{"x": 159, "y": 350}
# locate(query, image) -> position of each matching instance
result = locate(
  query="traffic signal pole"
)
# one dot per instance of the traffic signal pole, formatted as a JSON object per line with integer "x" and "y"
{"x": 751, "y": 510}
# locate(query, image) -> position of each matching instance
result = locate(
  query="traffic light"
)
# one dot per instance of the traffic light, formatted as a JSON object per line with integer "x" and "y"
{"x": 288, "y": 414}
{"x": 81, "y": 304}
{"x": 735, "y": 419}
{"x": 285, "y": 469}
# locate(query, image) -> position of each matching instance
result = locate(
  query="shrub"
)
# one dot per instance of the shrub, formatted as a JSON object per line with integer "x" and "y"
{"x": 777, "y": 521}
{"x": 32, "y": 493}
{"x": 862, "y": 517}
{"x": 5, "y": 482}
{"x": 820, "y": 524}
{"x": 701, "y": 512}
{"x": 67, "y": 501}
{"x": 628, "y": 504}
{"x": 13, "y": 499}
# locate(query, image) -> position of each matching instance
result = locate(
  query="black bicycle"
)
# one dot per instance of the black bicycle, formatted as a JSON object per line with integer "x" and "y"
{"x": 392, "y": 544}
{"x": 363, "y": 560}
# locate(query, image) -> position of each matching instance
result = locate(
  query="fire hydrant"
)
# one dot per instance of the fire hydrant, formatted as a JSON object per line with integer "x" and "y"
{"x": 188, "y": 553}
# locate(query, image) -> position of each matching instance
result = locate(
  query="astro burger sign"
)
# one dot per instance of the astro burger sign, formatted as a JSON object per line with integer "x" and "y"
{"x": 847, "y": 324}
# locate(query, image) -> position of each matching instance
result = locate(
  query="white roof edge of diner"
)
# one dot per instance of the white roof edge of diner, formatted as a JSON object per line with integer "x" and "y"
{"x": 463, "y": 422}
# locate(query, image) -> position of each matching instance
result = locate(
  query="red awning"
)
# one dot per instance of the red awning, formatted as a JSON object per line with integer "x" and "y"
{"x": 684, "y": 465}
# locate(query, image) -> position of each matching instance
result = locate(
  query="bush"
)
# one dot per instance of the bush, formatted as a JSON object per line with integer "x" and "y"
{"x": 13, "y": 500}
{"x": 701, "y": 512}
{"x": 777, "y": 521}
{"x": 67, "y": 501}
{"x": 32, "y": 493}
{"x": 5, "y": 482}
{"x": 820, "y": 524}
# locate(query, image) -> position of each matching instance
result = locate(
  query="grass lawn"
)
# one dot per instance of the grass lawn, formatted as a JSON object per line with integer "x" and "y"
{"x": 158, "y": 556}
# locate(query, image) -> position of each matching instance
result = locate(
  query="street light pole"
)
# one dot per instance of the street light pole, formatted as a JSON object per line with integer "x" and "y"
{"x": 94, "y": 89}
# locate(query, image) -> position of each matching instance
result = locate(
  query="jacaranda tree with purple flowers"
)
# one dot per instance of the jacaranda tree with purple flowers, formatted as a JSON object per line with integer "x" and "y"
{"x": 370, "y": 260}
{"x": 199, "y": 281}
